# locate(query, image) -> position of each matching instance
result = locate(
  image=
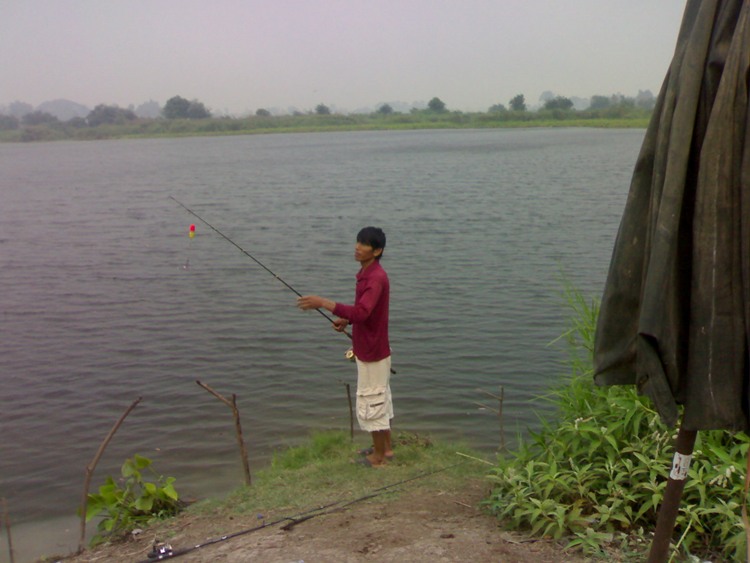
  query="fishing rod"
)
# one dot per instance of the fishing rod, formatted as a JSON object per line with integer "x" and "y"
{"x": 333, "y": 507}
{"x": 349, "y": 354}
{"x": 246, "y": 253}
{"x": 165, "y": 551}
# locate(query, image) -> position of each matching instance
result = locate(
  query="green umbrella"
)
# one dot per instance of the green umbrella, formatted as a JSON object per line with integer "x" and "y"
{"x": 675, "y": 313}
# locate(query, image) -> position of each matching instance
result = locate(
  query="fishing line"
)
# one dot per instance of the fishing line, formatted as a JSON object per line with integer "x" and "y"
{"x": 191, "y": 234}
{"x": 349, "y": 354}
{"x": 163, "y": 552}
{"x": 246, "y": 253}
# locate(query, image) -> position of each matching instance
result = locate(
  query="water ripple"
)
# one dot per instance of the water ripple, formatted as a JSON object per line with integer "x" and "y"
{"x": 97, "y": 308}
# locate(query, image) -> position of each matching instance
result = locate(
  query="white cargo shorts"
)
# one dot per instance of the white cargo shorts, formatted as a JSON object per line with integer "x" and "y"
{"x": 374, "y": 403}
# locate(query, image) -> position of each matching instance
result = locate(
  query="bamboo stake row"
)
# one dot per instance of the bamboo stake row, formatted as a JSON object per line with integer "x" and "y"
{"x": 232, "y": 404}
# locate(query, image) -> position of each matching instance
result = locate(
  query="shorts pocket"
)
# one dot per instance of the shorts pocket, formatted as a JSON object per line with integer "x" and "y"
{"x": 371, "y": 406}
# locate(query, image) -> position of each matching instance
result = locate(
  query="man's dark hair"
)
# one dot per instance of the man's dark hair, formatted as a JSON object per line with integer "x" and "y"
{"x": 372, "y": 236}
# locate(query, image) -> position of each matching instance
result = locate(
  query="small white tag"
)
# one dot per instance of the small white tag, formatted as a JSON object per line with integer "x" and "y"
{"x": 680, "y": 466}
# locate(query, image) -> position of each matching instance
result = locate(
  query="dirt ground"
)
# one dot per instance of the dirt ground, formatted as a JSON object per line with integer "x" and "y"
{"x": 413, "y": 526}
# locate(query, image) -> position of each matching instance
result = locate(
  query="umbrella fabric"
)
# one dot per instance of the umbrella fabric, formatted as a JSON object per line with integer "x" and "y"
{"x": 674, "y": 315}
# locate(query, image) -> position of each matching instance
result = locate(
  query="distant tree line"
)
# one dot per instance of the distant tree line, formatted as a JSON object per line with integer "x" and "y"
{"x": 43, "y": 125}
{"x": 175, "y": 108}
{"x": 180, "y": 108}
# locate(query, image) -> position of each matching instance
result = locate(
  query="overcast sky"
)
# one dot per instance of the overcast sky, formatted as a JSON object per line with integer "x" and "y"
{"x": 236, "y": 56}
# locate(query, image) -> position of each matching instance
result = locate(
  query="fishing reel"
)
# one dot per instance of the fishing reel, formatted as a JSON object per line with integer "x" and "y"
{"x": 161, "y": 551}
{"x": 349, "y": 355}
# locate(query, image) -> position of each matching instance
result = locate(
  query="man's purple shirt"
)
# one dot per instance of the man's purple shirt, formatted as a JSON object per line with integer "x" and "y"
{"x": 369, "y": 314}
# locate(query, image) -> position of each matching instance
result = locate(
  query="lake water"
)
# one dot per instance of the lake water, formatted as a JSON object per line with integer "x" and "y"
{"x": 98, "y": 308}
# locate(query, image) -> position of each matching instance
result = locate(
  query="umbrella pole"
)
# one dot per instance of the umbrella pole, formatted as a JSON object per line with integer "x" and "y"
{"x": 671, "y": 503}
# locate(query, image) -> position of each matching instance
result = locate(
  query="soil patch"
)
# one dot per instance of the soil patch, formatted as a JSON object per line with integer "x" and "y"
{"x": 417, "y": 525}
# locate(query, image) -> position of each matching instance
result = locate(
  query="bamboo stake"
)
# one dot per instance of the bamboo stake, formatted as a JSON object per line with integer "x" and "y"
{"x": 501, "y": 399}
{"x": 6, "y": 519}
{"x": 237, "y": 426}
{"x": 491, "y": 394}
{"x": 90, "y": 471}
{"x": 351, "y": 412}
{"x": 499, "y": 411}
{"x": 486, "y": 407}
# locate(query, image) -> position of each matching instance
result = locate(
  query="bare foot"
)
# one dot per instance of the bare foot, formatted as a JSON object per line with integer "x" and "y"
{"x": 375, "y": 461}
{"x": 369, "y": 451}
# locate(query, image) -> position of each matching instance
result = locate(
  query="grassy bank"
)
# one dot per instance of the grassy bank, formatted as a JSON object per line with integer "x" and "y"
{"x": 321, "y": 472}
{"x": 314, "y": 479}
{"x": 155, "y": 128}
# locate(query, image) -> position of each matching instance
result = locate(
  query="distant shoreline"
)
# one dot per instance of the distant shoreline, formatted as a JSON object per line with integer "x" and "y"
{"x": 161, "y": 128}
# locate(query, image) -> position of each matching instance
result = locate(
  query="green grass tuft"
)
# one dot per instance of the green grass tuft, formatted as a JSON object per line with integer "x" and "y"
{"x": 323, "y": 446}
{"x": 323, "y": 471}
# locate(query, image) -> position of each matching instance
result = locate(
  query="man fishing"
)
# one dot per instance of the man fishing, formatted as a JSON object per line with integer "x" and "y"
{"x": 369, "y": 319}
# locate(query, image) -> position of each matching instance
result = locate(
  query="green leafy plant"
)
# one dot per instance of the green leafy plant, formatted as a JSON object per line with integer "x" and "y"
{"x": 132, "y": 502}
{"x": 597, "y": 474}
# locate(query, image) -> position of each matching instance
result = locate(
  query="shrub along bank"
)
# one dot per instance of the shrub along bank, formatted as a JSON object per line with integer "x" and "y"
{"x": 598, "y": 473}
